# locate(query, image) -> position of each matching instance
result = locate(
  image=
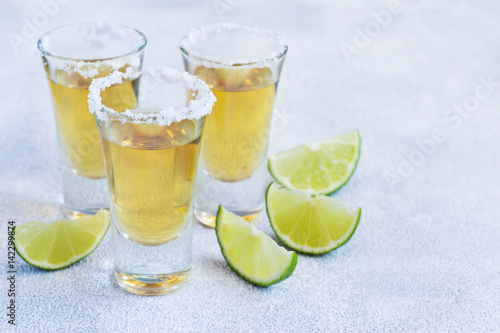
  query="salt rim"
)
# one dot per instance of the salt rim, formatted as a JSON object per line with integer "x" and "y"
{"x": 79, "y": 66}
{"x": 75, "y": 65}
{"x": 45, "y": 39}
{"x": 214, "y": 30}
{"x": 197, "y": 108}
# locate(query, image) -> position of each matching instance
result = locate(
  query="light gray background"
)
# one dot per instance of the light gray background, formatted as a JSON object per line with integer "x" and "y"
{"x": 425, "y": 257}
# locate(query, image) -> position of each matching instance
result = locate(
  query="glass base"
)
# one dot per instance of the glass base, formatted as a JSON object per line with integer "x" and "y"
{"x": 151, "y": 285}
{"x": 244, "y": 198}
{"x": 151, "y": 270}
{"x": 208, "y": 219}
{"x": 83, "y": 196}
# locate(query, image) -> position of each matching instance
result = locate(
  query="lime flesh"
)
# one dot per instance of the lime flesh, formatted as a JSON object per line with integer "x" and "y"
{"x": 321, "y": 167}
{"x": 310, "y": 224}
{"x": 61, "y": 243}
{"x": 251, "y": 253}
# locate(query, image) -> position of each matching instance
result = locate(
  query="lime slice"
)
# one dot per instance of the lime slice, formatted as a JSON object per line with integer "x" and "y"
{"x": 310, "y": 224}
{"x": 61, "y": 243}
{"x": 321, "y": 167}
{"x": 251, "y": 253}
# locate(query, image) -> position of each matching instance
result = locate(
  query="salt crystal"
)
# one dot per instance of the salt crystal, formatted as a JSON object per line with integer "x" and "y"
{"x": 198, "y": 107}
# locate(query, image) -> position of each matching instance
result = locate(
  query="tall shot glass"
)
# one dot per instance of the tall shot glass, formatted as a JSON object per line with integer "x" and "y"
{"x": 242, "y": 66}
{"x": 151, "y": 156}
{"x": 73, "y": 55}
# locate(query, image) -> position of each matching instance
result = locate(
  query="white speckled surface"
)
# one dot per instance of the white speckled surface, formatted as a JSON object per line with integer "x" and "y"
{"x": 426, "y": 256}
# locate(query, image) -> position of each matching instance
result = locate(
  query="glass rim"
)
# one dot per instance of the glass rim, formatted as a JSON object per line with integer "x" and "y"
{"x": 46, "y": 52}
{"x": 197, "y": 108}
{"x": 227, "y": 26}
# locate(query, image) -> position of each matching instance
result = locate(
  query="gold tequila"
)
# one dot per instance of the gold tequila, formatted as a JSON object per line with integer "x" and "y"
{"x": 236, "y": 133}
{"x": 76, "y": 125}
{"x": 151, "y": 171}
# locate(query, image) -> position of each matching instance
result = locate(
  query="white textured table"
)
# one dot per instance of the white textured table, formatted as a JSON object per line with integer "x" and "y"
{"x": 426, "y": 254}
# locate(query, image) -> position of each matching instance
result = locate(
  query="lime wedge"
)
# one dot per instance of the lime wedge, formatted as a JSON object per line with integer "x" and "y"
{"x": 321, "y": 167}
{"x": 61, "y": 243}
{"x": 251, "y": 253}
{"x": 310, "y": 224}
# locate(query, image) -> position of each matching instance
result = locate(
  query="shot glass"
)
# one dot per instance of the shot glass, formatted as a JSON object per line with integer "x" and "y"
{"x": 151, "y": 155}
{"x": 242, "y": 66}
{"x": 73, "y": 55}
